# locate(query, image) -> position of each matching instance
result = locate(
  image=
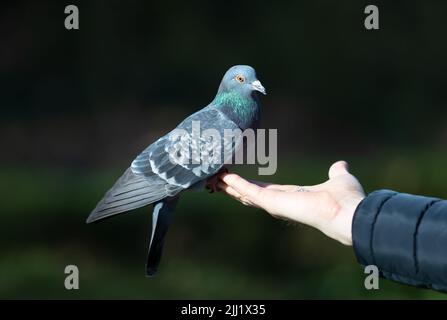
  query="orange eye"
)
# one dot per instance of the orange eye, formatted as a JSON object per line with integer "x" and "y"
{"x": 240, "y": 78}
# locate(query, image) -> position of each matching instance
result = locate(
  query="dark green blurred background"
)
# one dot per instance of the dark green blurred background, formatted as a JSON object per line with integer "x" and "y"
{"x": 77, "y": 106}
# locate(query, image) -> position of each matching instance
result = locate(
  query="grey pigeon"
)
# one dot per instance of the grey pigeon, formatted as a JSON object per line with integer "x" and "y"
{"x": 157, "y": 177}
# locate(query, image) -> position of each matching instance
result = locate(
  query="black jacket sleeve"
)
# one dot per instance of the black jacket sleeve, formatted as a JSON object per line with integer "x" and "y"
{"x": 405, "y": 236}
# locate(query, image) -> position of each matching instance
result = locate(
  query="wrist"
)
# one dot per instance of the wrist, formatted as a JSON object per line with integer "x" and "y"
{"x": 340, "y": 226}
{"x": 349, "y": 211}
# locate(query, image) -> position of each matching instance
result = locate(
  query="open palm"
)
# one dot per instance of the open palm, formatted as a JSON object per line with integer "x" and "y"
{"x": 328, "y": 206}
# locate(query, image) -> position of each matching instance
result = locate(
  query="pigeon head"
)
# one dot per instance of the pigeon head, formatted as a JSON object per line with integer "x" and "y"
{"x": 241, "y": 80}
{"x": 238, "y": 96}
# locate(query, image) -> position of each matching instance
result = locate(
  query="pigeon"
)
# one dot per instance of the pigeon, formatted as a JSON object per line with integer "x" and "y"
{"x": 170, "y": 166}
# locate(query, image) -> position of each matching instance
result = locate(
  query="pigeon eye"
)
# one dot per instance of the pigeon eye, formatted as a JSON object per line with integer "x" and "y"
{"x": 240, "y": 78}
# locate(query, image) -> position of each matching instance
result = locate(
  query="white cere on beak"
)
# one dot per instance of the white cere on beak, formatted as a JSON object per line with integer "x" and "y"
{"x": 256, "y": 85}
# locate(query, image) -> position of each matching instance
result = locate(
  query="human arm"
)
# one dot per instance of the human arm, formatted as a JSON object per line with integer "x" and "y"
{"x": 404, "y": 235}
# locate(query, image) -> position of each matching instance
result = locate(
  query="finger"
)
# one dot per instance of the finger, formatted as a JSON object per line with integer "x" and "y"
{"x": 284, "y": 188}
{"x": 280, "y": 187}
{"x": 233, "y": 193}
{"x": 298, "y": 207}
{"x": 338, "y": 168}
{"x": 221, "y": 173}
{"x": 263, "y": 184}
{"x": 228, "y": 190}
{"x": 272, "y": 186}
{"x": 250, "y": 192}
{"x": 236, "y": 195}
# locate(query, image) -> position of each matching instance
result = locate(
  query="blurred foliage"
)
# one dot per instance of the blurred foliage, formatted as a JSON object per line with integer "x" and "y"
{"x": 77, "y": 106}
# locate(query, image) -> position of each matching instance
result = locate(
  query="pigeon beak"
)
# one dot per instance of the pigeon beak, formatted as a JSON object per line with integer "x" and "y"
{"x": 256, "y": 85}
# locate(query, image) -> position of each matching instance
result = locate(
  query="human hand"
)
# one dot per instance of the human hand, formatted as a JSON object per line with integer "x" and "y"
{"x": 328, "y": 206}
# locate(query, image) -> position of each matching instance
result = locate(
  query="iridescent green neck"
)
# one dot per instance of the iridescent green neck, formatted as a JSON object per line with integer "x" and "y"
{"x": 242, "y": 109}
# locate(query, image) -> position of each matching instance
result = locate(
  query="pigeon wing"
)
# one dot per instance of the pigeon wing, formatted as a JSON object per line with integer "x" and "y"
{"x": 194, "y": 151}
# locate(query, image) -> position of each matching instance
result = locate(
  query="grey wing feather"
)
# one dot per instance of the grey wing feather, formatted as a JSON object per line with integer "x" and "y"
{"x": 131, "y": 191}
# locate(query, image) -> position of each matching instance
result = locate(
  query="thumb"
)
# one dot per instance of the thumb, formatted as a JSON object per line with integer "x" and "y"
{"x": 339, "y": 168}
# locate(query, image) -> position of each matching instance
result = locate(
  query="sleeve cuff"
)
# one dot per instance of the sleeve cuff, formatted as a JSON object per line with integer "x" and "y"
{"x": 389, "y": 230}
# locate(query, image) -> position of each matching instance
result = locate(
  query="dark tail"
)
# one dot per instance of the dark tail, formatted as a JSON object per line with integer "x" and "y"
{"x": 161, "y": 219}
